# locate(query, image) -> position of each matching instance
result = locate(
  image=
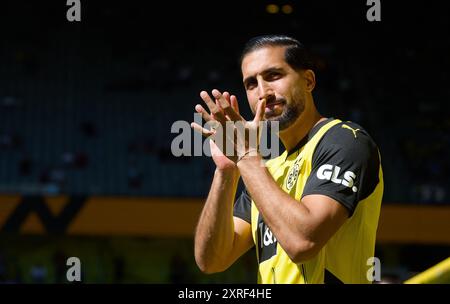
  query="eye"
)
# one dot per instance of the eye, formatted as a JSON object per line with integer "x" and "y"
{"x": 251, "y": 84}
{"x": 274, "y": 76}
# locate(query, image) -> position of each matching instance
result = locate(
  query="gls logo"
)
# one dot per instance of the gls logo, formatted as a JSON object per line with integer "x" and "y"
{"x": 331, "y": 173}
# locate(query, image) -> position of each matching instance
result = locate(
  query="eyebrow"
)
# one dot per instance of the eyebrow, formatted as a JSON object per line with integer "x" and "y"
{"x": 266, "y": 71}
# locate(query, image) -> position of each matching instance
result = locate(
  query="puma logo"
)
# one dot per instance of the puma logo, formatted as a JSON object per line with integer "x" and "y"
{"x": 351, "y": 129}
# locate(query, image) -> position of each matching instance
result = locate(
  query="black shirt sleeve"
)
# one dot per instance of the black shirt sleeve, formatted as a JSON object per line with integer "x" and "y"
{"x": 243, "y": 207}
{"x": 345, "y": 166}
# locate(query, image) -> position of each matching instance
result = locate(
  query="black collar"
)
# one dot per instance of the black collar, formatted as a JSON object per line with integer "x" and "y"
{"x": 310, "y": 134}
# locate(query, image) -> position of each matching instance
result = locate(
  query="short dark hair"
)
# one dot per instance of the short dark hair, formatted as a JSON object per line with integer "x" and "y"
{"x": 296, "y": 55}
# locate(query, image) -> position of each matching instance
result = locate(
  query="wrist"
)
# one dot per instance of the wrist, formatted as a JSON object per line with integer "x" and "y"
{"x": 231, "y": 172}
{"x": 250, "y": 158}
{"x": 246, "y": 154}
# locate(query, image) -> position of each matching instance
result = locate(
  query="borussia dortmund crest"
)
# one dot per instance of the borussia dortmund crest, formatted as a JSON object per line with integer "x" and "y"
{"x": 293, "y": 172}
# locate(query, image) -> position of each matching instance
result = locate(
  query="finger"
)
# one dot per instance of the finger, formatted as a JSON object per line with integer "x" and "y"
{"x": 223, "y": 99}
{"x": 218, "y": 106}
{"x": 213, "y": 108}
{"x": 227, "y": 96}
{"x": 213, "y": 125}
{"x": 201, "y": 130}
{"x": 226, "y": 115}
{"x": 260, "y": 109}
{"x": 205, "y": 114}
{"x": 234, "y": 103}
{"x": 231, "y": 99}
{"x": 225, "y": 105}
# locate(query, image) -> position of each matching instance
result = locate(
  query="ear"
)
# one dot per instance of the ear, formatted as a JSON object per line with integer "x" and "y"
{"x": 310, "y": 80}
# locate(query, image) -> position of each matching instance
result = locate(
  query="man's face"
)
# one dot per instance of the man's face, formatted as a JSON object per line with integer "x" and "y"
{"x": 266, "y": 74}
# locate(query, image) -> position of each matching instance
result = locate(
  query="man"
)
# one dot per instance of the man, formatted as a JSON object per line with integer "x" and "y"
{"x": 312, "y": 212}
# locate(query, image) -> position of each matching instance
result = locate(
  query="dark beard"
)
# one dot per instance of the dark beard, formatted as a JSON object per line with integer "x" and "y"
{"x": 289, "y": 115}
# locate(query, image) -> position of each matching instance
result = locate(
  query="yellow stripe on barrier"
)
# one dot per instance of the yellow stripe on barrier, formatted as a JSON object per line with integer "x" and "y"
{"x": 438, "y": 274}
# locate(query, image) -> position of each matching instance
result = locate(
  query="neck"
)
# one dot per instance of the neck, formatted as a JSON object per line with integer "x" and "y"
{"x": 301, "y": 127}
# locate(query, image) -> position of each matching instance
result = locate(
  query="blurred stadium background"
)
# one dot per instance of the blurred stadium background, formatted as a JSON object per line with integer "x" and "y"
{"x": 86, "y": 109}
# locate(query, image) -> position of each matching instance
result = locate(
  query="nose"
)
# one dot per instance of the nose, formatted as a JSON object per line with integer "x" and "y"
{"x": 264, "y": 90}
